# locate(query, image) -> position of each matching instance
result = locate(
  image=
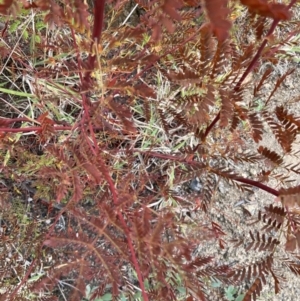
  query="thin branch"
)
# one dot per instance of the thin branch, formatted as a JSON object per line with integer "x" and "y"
{"x": 25, "y": 278}
{"x": 201, "y": 165}
{"x": 33, "y": 129}
{"x": 258, "y": 185}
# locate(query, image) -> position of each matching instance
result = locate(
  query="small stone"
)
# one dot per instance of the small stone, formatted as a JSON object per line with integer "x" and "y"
{"x": 221, "y": 187}
{"x": 268, "y": 86}
{"x": 245, "y": 175}
{"x": 253, "y": 172}
{"x": 239, "y": 150}
{"x": 252, "y": 198}
{"x": 195, "y": 185}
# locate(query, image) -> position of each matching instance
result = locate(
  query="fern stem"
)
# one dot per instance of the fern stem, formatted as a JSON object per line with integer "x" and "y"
{"x": 114, "y": 193}
{"x": 258, "y": 185}
{"x": 96, "y": 35}
{"x": 257, "y": 55}
{"x": 209, "y": 128}
{"x": 33, "y": 129}
{"x": 198, "y": 164}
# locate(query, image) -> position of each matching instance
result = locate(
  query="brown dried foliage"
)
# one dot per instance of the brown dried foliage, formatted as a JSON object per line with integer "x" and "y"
{"x": 121, "y": 229}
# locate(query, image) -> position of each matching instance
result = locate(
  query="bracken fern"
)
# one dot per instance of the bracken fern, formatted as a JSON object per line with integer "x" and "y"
{"x": 117, "y": 104}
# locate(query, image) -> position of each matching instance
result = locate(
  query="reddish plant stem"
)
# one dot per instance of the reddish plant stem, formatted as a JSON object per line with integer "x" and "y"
{"x": 115, "y": 197}
{"x": 292, "y": 4}
{"x": 113, "y": 190}
{"x": 85, "y": 101}
{"x": 201, "y": 165}
{"x": 210, "y": 127}
{"x": 97, "y": 30}
{"x": 176, "y": 158}
{"x": 8, "y": 121}
{"x": 258, "y": 185}
{"x": 257, "y": 56}
{"x": 33, "y": 129}
{"x": 54, "y": 128}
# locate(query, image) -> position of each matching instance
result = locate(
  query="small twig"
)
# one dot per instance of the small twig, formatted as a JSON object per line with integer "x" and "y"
{"x": 26, "y": 118}
{"x": 25, "y": 278}
{"x": 202, "y": 165}
{"x": 33, "y": 129}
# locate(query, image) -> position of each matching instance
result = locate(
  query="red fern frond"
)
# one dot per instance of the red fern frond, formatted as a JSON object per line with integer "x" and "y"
{"x": 276, "y": 281}
{"x": 90, "y": 167}
{"x": 244, "y": 157}
{"x": 163, "y": 120}
{"x": 271, "y": 155}
{"x": 9, "y": 7}
{"x": 262, "y": 243}
{"x": 197, "y": 107}
{"x": 293, "y": 167}
{"x": 47, "y": 127}
{"x": 285, "y": 137}
{"x": 142, "y": 223}
{"x": 273, "y": 217}
{"x": 124, "y": 115}
{"x": 293, "y": 266}
{"x": 254, "y": 290}
{"x": 218, "y": 17}
{"x": 77, "y": 15}
{"x": 144, "y": 91}
{"x": 259, "y": 27}
{"x": 276, "y": 11}
{"x": 239, "y": 114}
{"x": 209, "y": 187}
{"x": 178, "y": 117}
{"x": 55, "y": 273}
{"x": 292, "y": 238}
{"x": 206, "y": 45}
{"x": 279, "y": 82}
{"x": 170, "y": 8}
{"x": 185, "y": 77}
{"x": 147, "y": 110}
{"x": 219, "y": 59}
{"x": 55, "y": 16}
{"x": 256, "y": 126}
{"x": 257, "y": 269}
{"x": 124, "y": 35}
{"x": 235, "y": 122}
{"x": 288, "y": 120}
{"x": 246, "y": 57}
{"x": 290, "y": 196}
{"x": 227, "y": 110}
{"x": 197, "y": 263}
{"x": 231, "y": 177}
{"x": 263, "y": 79}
